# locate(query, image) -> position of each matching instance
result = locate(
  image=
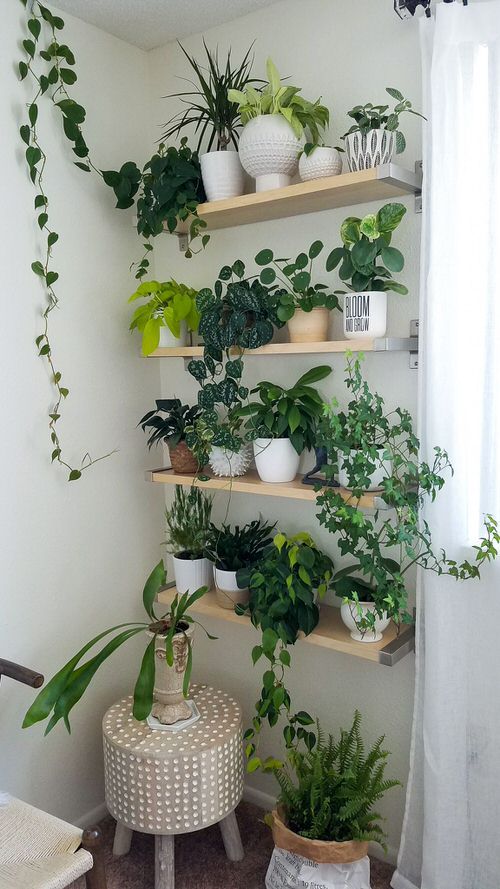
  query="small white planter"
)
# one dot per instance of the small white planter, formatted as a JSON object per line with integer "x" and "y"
{"x": 309, "y": 327}
{"x": 167, "y": 339}
{"x": 383, "y": 470}
{"x": 365, "y": 315}
{"x": 222, "y": 175}
{"x": 321, "y": 162}
{"x": 349, "y": 615}
{"x": 191, "y": 574}
{"x": 369, "y": 150}
{"x": 276, "y": 459}
{"x": 269, "y": 151}
{"x": 227, "y": 591}
{"x": 230, "y": 464}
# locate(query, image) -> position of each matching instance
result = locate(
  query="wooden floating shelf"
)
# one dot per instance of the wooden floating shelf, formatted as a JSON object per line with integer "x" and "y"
{"x": 382, "y": 183}
{"x": 252, "y": 484}
{"x": 330, "y": 632}
{"x": 384, "y": 344}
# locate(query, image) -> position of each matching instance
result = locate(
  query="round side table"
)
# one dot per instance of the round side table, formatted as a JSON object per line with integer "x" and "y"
{"x": 168, "y": 783}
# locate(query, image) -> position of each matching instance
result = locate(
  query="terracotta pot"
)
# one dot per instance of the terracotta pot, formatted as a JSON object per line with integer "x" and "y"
{"x": 169, "y": 703}
{"x": 309, "y": 327}
{"x": 182, "y": 458}
{"x": 315, "y": 850}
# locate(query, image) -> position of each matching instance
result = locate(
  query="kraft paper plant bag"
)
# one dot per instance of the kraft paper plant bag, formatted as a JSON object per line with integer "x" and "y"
{"x": 290, "y": 871}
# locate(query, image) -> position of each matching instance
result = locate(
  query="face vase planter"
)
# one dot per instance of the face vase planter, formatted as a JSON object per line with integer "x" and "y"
{"x": 269, "y": 151}
{"x": 222, "y": 175}
{"x": 351, "y": 618}
{"x": 365, "y": 315}
{"x": 276, "y": 459}
{"x": 169, "y": 704}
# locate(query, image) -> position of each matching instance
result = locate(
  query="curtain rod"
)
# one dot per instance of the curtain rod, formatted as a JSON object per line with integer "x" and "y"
{"x": 407, "y": 8}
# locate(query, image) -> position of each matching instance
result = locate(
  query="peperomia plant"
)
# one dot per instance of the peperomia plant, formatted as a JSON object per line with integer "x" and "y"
{"x": 294, "y": 279}
{"x": 380, "y": 117}
{"x": 365, "y": 242}
{"x": 385, "y": 546}
{"x": 283, "y": 589}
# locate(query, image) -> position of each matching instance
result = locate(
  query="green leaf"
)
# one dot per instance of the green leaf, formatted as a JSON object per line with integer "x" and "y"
{"x": 315, "y": 249}
{"x": 23, "y": 70}
{"x": 257, "y": 652}
{"x": 74, "y": 475}
{"x": 42, "y": 220}
{"x": 334, "y": 258}
{"x": 389, "y": 217}
{"x": 35, "y": 27}
{"x": 253, "y": 764}
{"x": 29, "y": 46}
{"x": 52, "y": 239}
{"x": 264, "y": 257}
{"x": 301, "y": 281}
{"x": 67, "y": 76}
{"x": 38, "y": 268}
{"x": 189, "y": 669}
{"x": 285, "y": 657}
{"x": 294, "y": 418}
{"x": 51, "y": 278}
{"x": 396, "y": 94}
{"x": 393, "y": 259}
{"x": 143, "y": 691}
{"x": 314, "y": 375}
{"x": 84, "y": 167}
{"x": 33, "y": 114}
{"x": 267, "y": 276}
{"x": 155, "y": 581}
{"x": 303, "y": 718}
{"x": 25, "y": 134}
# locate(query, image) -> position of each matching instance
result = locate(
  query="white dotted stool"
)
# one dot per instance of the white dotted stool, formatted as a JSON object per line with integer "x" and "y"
{"x": 167, "y": 783}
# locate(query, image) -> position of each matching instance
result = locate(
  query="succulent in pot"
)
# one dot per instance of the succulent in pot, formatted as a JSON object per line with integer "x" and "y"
{"x": 231, "y": 550}
{"x": 275, "y": 118}
{"x": 375, "y": 135}
{"x": 170, "y": 423}
{"x": 188, "y": 524}
{"x": 367, "y": 262}
{"x": 283, "y": 424}
{"x": 319, "y": 161}
{"x": 167, "y": 316}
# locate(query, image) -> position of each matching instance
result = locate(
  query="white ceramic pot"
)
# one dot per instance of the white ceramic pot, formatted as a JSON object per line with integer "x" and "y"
{"x": 191, "y": 574}
{"x": 169, "y": 704}
{"x": 309, "y": 327}
{"x": 276, "y": 459}
{"x": 369, "y": 150}
{"x": 321, "y": 162}
{"x": 269, "y": 151}
{"x": 167, "y": 339}
{"x": 383, "y": 470}
{"x": 229, "y": 464}
{"x": 349, "y": 615}
{"x": 227, "y": 591}
{"x": 365, "y": 315}
{"x": 222, "y": 175}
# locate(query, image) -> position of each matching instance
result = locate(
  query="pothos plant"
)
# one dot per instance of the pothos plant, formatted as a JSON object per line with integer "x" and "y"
{"x": 294, "y": 280}
{"x": 283, "y": 586}
{"x": 385, "y": 546}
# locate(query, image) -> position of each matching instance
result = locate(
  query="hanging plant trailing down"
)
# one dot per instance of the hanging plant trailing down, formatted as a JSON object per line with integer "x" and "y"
{"x": 58, "y": 61}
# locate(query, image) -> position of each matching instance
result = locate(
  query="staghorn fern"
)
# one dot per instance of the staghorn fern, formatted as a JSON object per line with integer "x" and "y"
{"x": 336, "y": 788}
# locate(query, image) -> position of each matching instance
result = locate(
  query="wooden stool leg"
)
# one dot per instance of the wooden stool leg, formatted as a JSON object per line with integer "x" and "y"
{"x": 164, "y": 862}
{"x": 123, "y": 839}
{"x": 231, "y": 837}
{"x": 92, "y": 842}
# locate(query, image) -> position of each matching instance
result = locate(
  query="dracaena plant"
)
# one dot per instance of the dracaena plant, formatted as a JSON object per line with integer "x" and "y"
{"x": 367, "y": 260}
{"x": 275, "y": 98}
{"x": 385, "y": 545}
{"x": 240, "y": 547}
{"x": 170, "y": 421}
{"x": 284, "y": 585}
{"x": 66, "y": 688}
{"x": 293, "y": 277}
{"x": 169, "y": 305}
{"x": 381, "y": 117}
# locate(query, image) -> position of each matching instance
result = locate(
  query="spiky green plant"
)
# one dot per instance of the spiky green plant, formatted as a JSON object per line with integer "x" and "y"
{"x": 337, "y": 787}
{"x": 188, "y": 522}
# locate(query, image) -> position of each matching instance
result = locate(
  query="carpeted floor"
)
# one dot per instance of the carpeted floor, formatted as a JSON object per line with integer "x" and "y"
{"x": 200, "y": 860}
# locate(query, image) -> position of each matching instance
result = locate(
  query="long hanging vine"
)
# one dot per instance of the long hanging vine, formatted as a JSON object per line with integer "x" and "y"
{"x": 57, "y": 61}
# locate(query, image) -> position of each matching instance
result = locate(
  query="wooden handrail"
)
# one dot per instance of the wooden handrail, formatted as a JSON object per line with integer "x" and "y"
{"x": 20, "y": 674}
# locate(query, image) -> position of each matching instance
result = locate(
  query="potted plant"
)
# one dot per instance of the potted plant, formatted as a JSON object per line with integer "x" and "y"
{"x": 167, "y": 316}
{"x": 216, "y": 120}
{"x": 188, "y": 524}
{"x": 165, "y": 673}
{"x": 365, "y": 242}
{"x": 218, "y": 441}
{"x": 231, "y": 550}
{"x": 317, "y": 161}
{"x": 326, "y": 807}
{"x": 275, "y": 118}
{"x": 375, "y": 134}
{"x": 170, "y": 423}
{"x": 283, "y": 424}
{"x": 306, "y": 307}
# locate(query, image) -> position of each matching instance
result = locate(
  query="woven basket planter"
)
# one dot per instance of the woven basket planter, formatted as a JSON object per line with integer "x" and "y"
{"x": 182, "y": 459}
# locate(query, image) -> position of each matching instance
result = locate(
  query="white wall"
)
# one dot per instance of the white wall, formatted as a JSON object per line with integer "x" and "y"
{"x": 347, "y": 51}
{"x": 73, "y": 558}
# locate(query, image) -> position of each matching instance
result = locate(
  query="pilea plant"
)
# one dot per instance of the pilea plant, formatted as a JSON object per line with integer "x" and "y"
{"x": 294, "y": 278}
{"x": 283, "y": 588}
{"x": 384, "y": 549}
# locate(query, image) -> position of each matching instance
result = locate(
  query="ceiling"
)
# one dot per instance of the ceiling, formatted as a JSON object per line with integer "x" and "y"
{"x": 152, "y": 23}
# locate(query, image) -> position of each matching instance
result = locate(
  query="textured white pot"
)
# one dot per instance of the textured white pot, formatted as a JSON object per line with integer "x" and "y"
{"x": 269, "y": 151}
{"x": 369, "y": 150}
{"x": 222, "y": 175}
{"x": 349, "y": 615}
{"x": 167, "y": 339}
{"x": 276, "y": 459}
{"x": 229, "y": 464}
{"x": 227, "y": 591}
{"x": 365, "y": 315}
{"x": 309, "y": 327}
{"x": 320, "y": 163}
{"x": 169, "y": 703}
{"x": 383, "y": 470}
{"x": 191, "y": 574}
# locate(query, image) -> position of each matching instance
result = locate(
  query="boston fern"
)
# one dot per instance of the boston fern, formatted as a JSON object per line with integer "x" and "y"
{"x": 233, "y": 549}
{"x": 328, "y": 793}
{"x": 173, "y": 426}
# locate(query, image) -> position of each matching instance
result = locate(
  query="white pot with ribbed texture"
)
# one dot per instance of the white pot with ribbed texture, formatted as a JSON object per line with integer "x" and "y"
{"x": 276, "y": 459}
{"x": 321, "y": 162}
{"x": 227, "y": 592}
{"x": 222, "y": 175}
{"x": 365, "y": 315}
{"x": 382, "y": 471}
{"x": 168, "y": 340}
{"x": 269, "y": 151}
{"x": 191, "y": 574}
{"x": 351, "y": 619}
{"x": 366, "y": 150}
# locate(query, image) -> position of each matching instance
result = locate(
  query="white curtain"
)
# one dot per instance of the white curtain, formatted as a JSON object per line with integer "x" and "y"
{"x": 451, "y": 834}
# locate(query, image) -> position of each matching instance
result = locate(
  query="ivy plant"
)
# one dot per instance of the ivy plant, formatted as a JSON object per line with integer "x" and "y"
{"x": 294, "y": 280}
{"x": 379, "y": 117}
